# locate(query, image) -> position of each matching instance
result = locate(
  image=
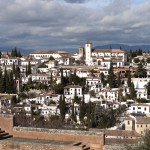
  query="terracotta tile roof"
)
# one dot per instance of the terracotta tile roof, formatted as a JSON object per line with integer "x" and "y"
{"x": 143, "y": 120}
{"x": 117, "y": 51}
{"x": 118, "y": 132}
{"x": 102, "y": 50}
{"x": 48, "y": 52}
{"x": 72, "y": 86}
{"x": 109, "y": 50}
{"x": 140, "y": 104}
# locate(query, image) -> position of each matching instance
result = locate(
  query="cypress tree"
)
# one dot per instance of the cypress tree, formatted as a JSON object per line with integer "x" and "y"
{"x": 17, "y": 72}
{"x": 148, "y": 90}
{"x": 62, "y": 77}
{"x": 14, "y": 100}
{"x": 132, "y": 91}
{"x": 19, "y": 54}
{"x": 2, "y": 88}
{"x": 82, "y": 110}
{"x": 102, "y": 78}
{"x": 26, "y": 71}
{"x": 73, "y": 115}
{"x": 6, "y": 81}
{"x": 29, "y": 68}
{"x": 14, "y": 68}
{"x": 62, "y": 105}
{"x": 15, "y": 52}
{"x": 89, "y": 114}
{"x": 129, "y": 79}
{"x": 0, "y": 54}
{"x": 119, "y": 80}
{"x": 111, "y": 77}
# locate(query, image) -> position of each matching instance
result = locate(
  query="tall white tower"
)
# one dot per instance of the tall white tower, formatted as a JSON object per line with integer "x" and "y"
{"x": 88, "y": 51}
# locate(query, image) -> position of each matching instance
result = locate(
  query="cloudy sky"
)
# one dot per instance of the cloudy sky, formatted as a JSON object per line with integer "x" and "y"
{"x": 57, "y": 24}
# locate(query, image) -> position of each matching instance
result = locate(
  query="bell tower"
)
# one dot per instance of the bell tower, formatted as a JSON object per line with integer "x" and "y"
{"x": 88, "y": 52}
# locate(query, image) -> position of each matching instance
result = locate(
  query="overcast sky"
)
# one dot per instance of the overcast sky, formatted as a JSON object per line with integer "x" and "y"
{"x": 57, "y": 24}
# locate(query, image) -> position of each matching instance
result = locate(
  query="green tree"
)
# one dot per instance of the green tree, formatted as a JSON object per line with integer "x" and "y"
{"x": 61, "y": 75}
{"x": 111, "y": 77}
{"x": 103, "y": 79}
{"x": 17, "y": 72}
{"x": 0, "y": 54}
{"x": 29, "y": 68}
{"x": 62, "y": 107}
{"x": 129, "y": 78}
{"x": 132, "y": 91}
{"x": 51, "y": 58}
{"x": 148, "y": 90}
{"x": 119, "y": 80}
{"x": 73, "y": 116}
{"x": 141, "y": 71}
{"x": 148, "y": 60}
{"x": 2, "y": 88}
{"x": 19, "y": 54}
{"x": 14, "y": 100}
{"x": 82, "y": 110}
{"x": 14, "y": 68}
{"x": 136, "y": 60}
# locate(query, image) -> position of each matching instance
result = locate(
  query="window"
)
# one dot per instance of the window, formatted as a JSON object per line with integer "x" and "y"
{"x": 146, "y": 125}
{"x": 128, "y": 122}
{"x": 141, "y": 126}
{"x": 133, "y": 108}
{"x": 139, "y": 107}
{"x": 145, "y": 108}
{"x": 137, "y": 126}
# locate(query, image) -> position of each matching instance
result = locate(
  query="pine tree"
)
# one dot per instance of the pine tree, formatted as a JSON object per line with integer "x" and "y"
{"x": 0, "y": 54}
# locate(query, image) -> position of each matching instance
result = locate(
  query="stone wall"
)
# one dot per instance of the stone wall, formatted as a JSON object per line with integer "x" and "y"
{"x": 93, "y": 139}
{"x": 6, "y": 123}
{"x": 7, "y": 145}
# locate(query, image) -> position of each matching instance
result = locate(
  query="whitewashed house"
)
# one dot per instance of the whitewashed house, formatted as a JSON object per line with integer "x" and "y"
{"x": 140, "y": 108}
{"x": 71, "y": 90}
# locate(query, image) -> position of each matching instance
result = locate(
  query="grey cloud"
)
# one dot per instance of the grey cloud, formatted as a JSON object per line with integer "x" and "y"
{"x": 76, "y": 1}
{"x": 54, "y": 24}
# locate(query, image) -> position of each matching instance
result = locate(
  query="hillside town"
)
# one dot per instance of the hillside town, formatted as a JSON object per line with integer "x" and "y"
{"x": 94, "y": 89}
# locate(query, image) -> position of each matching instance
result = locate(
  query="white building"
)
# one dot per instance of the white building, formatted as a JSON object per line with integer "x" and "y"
{"x": 10, "y": 61}
{"x": 71, "y": 90}
{"x": 103, "y": 57}
{"x": 140, "y": 108}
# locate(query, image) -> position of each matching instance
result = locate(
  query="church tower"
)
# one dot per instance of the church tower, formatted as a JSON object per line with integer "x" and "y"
{"x": 88, "y": 52}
